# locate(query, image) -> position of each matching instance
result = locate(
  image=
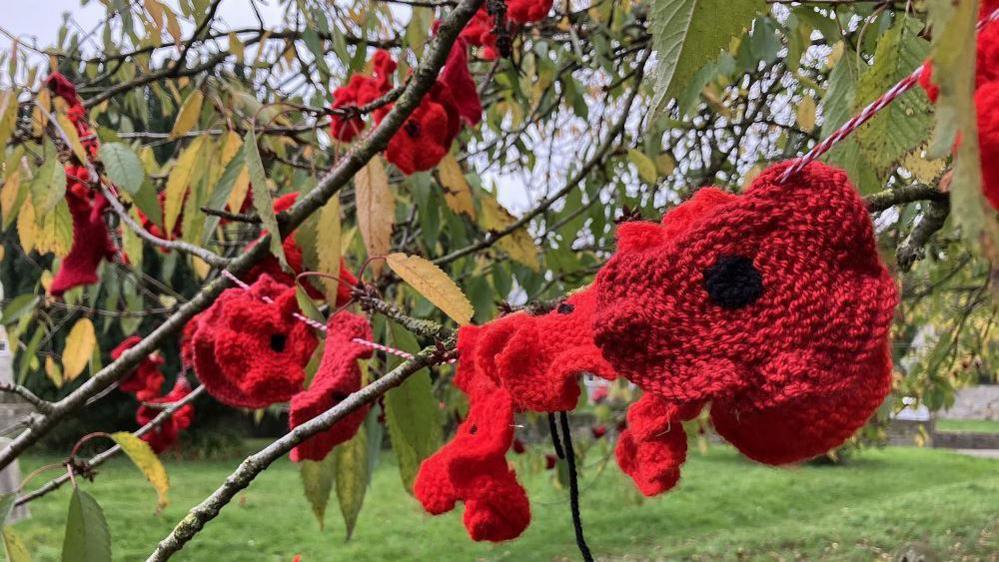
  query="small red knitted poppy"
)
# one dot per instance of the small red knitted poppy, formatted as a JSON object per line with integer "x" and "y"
{"x": 336, "y": 378}
{"x": 146, "y": 380}
{"x": 457, "y": 79}
{"x": 426, "y": 137}
{"x": 249, "y": 353}
{"x": 479, "y": 33}
{"x": 91, "y": 240}
{"x": 165, "y": 435}
{"x": 361, "y": 90}
{"x": 527, "y": 11}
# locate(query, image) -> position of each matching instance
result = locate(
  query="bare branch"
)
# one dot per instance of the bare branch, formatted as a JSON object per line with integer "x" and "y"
{"x": 43, "y": 406}
{"x": 913, "y": 249}
{"x": 884, "y": 200}
{"x": 253, "y": 465}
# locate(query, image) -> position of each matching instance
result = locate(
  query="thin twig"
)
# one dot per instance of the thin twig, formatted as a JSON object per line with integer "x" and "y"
{"x": 43, "y": 406}
{"x": 253, "y": 465}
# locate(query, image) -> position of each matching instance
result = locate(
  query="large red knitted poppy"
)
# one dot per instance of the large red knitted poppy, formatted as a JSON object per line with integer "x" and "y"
{"x": 146, "y": 380}
{"x": 774, "y": 306}
{"x": 249, "y": 353}
{"x": 165, "y": 434}
{"x": 479, "y": 33}
{"x": 336, "y": 378}
{"x": 526, "y": 11}
{"x": 426, "y": 136}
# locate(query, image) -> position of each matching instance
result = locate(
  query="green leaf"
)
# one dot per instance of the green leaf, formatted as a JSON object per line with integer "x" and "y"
{"x": 689, "y": 33}
{"x": 220, "y": 194}
{"x": 184, "y": 173}
{"x": 88, "y": 538}
{"x": 14, "y": 546}
{"x": 18, "y": 307}
{"x": 6, "y": 505}
{"x": 352, "y": 478}
{"x": 123, "y": 166}
{"x": 411, "y": 413}
{"x": 147, "y": 462}
{"x": 317, "y": 483}
{"x": 48, "y": 187}
{"x": 8, "y": 116}
{"x": 903, "y": 125}
{"x": 646, "y": 167}
{"x": 262, "y": 201}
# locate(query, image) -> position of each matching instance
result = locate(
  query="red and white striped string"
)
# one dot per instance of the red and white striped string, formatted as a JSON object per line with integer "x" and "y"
{"x": 322, "y": 327}
{"x": 865, "y": 114}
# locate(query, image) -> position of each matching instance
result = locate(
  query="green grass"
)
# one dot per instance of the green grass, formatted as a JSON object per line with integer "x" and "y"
{"x": 725, "y": 508}
{"x": 968, "y": 426}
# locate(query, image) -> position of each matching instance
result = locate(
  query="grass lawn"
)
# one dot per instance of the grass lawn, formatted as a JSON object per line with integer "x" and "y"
{"x": 725, "y": 508}
{"x": 974, "y": 426}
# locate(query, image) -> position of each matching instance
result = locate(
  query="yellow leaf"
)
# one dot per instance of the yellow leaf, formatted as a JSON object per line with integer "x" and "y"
{"x": 924, "y": 170}
{"x": 53, "y": 372}
{"x": 147, "y": 462}
{"x": 8, "y": 196}
{"x": 183, "y": 174}
{"x": 519, "y": 244}
{"x": 27, "y": 231}
{"x": 188, "y": 115}
{"x": 665, "y": 164}
{"x": 236, "y": 47}
{"x": 646, "y": 167}
{"x": 39, "y": 114}
{"x": 457, "y": 193}
{"x": 835, "y": 54}
{"x": 375, "y": 210}
{"x": 232, "y": 143}
{"x": 8, "y": 116}
{"x": 16, "y": 550}
{"x": 201, "y": 267}
{"x": 72, "y": 135}
{"x": 806, "y": 114}
{"x": 328, "y": 245}
{"x": 80, "y": 345}
{"x": 431, "y": 282}
{"x": 751, "y": 175}
{"x": 54, "y": 230}
{"x": 239, "y": 190}
{"x": 148, "y": 159}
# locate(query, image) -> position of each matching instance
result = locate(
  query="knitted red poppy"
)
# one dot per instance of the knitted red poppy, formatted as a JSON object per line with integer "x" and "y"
{"x": 986, "y": 97}
{"x": 479, "y": 33}
{"x": 91, "y": 240}
{"x": 457, "y": 79}
{"x": 426, "y": 136}
{"x": 774, "y": 306}
{"x": 165, "y": 434}
{"x": 361, "y": 90}
{"x": 249, "y": 353}
{"x": 520, "y": 362}
{"x": 336, "y": 378}
{"x": 146, "y": 380}
{"x": 526, "y": 11}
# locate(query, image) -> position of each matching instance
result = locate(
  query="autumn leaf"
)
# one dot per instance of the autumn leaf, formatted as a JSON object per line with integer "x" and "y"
{"x": 806, "y": 114}
{"x": 147, "y": 462}
{"x": 188, "y": 115}
{"x": 328, "y": 245}
{"x": 457, "y": 193}
{"x": 72, "y": 136}
{"x": 80, "y": 345}
{"x": 646, "y": 167}
{"x": 375, "y": 209}
{"x": 431, "y": 282}
{"x": 183, "y": 174}
{"x": 518, "y": 244}
{"x": 317, "y": 483}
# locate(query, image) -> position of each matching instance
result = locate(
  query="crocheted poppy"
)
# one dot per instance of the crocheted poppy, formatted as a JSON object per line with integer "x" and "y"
{"x": 146, "y": 380}
{"x": 521, "y": 362}
{"x": 165, "y": 434}
{"x": 361, "y": 90}
{"x": 526, "y": 11}
{"x": 774, "y": 306}
{"x": 336, "y": 378}
{"x": 426, "y": 136}
{"x": 249, "y": 353}
{"x": 479, "y": 33}
{"x": 457, "y": 79}
{"x": 91, "y": 240}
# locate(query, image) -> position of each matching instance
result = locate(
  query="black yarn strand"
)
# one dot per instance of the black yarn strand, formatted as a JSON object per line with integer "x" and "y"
{"x": 553, "y": 430}
{"x": 570, "y": 457}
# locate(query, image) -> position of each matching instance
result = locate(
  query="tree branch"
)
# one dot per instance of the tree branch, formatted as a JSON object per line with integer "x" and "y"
{"x": 43, "y": 406}
{"x": 595, "y": 160}
{"x": 423, "y": 79}
{"x": 426, "y": 328}
{"x": 883, "y": 200}
{"x": 913, "y": 248}
{"x": 253, "y": 465}
{"x": 99, "y": 458}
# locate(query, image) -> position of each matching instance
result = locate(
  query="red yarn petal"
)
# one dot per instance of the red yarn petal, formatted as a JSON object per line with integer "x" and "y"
{"x": 336, "y": 378}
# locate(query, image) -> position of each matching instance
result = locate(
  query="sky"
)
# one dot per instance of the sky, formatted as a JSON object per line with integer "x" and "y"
{"x": 23, "y": 19}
